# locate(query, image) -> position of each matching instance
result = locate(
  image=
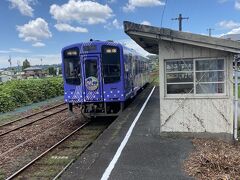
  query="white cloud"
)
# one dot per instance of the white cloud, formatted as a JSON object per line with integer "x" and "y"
{"x": 235, "y": 31}
{"x": 108, "y": 26}
{"x": 234, "y": 34}
{"x": 228, "y": 24}
{"x": 38, "y": 44}
{"x": 85, "y": 12}
{"x": 4, "y": 61}
{"x": 237, "y": 4}
{"x": 69, "y": 28}
{"x": 18, "y": 50}
{"x": 114, "y": 24}
{"x": 14, "y": 50}
{"x": 35, "y": 59}
{"x": 23, "y": 6}
{"x": 34, "y": 31}
{"x": 132, "y": 4}
{"x": 4, "y": 51}
{"x": 46, "y": 58}
{"x": 133, "y": 45}
{"x": 146, "y": 23}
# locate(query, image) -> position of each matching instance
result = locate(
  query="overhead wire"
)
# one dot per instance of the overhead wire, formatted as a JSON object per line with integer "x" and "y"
{"x": 163, "y": 12}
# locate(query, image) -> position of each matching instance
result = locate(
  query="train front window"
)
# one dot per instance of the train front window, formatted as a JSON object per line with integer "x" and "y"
{"x": 72, "y": 71}
{"x": 91, "y": 68}
{"x": 111, "y": 64}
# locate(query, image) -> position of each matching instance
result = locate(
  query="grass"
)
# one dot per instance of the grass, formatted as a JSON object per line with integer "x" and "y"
{"x": 46, "y": 172}
{"x": 77, "y": 144}
{"x": 6, "y": 118}
{"x": 238, "y": 91}
{"x": 154, "y": 76}
{"x": 57, "y": 160}
{"x": 2, "y": 175}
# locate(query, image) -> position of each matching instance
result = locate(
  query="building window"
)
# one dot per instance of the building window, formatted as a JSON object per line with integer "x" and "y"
{"x": 209, "y": 76}
{"x": 195, "y": 76}
{"x": 179, "y": 76}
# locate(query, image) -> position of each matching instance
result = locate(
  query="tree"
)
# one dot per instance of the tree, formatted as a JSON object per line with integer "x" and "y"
{"x": 26, "y": 64}
{"x": 153, "y": 58}
{"x": 51, "y": 71}
{"x": 60, "y": 71}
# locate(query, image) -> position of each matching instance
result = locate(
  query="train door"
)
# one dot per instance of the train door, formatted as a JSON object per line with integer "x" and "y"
{"x": 92, "y": 78}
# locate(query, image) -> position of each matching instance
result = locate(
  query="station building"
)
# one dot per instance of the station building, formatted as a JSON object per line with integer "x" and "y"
{"x": 196, "y": 78}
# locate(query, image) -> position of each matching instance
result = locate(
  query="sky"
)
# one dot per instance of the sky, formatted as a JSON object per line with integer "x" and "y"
{"x": 38, "y": 29}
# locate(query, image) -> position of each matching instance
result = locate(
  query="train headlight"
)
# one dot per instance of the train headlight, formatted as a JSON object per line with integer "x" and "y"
{"x": 108, "y": 50}
{"x": 114, "y": 50}
{"x": 72, "y": 53}
{"x": 111, "y": 50}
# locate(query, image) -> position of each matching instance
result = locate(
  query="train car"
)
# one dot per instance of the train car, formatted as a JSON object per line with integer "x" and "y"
{"x": 100, "y": 76}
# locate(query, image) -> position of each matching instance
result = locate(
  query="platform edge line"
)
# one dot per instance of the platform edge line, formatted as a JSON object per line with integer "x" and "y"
{"x": 111, "y": 165}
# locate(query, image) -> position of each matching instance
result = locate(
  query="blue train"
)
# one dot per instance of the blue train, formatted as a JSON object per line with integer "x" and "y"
{"x": 100, "y": 76}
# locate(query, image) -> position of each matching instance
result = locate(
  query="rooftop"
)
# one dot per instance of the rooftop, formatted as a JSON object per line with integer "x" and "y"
{"x": 148, "y": 38}
{"x": 32, "y": 69}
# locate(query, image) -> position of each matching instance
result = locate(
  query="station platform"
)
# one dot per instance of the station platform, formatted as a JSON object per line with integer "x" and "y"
{"x": 143, "y": 155}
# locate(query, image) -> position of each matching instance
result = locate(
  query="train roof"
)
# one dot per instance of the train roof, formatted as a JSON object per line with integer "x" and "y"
{"x": 93, "y": 42}
{"x": 100, "y": 43}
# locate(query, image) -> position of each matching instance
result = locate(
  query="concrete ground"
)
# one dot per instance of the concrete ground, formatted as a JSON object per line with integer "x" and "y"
{"x": 146, "y": 154}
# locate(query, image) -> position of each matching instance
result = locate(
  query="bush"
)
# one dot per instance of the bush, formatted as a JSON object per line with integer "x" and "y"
{"x": 18, "y": 93}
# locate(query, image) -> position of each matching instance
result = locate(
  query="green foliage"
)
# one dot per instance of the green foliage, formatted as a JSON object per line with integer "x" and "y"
{"x": 52, "y": 71}
{"x": 18, "y": 93}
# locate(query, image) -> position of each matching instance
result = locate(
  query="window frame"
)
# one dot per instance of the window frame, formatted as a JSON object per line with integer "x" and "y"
{"x": 67, "y": 79}
{"x": 87, "y": 65}
{"x": 105, "y": 64}
{"x": 194, "y": 71}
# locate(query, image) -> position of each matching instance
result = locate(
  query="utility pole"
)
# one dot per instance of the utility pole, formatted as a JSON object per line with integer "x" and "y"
{"x": 10, "y": 61}
{"x": 180, "y": 18}
{"x": 210, "y": 31}
{"x": 18, "y": 63}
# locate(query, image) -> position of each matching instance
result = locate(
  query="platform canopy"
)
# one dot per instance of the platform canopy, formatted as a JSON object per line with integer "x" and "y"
{"x": 148, "y": 38}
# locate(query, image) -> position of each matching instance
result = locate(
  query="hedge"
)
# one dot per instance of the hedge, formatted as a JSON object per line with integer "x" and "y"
{"x": 18, "y": 93}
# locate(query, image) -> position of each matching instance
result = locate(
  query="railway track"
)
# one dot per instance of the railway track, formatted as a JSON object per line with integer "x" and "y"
{"x": 30, "y": 119}
{"x": 55, "y": 156}
{"x": 54, "y": 161}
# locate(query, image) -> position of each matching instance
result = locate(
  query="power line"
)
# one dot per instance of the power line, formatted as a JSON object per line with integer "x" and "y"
{"x": 180, "y": 19}
{"x": 163, "y": 12}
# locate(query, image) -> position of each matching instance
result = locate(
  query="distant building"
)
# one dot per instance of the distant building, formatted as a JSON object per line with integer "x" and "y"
{"x": 19, "y": 75}
{"x": 34, "y": 72}
{"x": 6, "y": 75}
{"x": 6, "y": 72}
{"x": 5, "y": 78}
